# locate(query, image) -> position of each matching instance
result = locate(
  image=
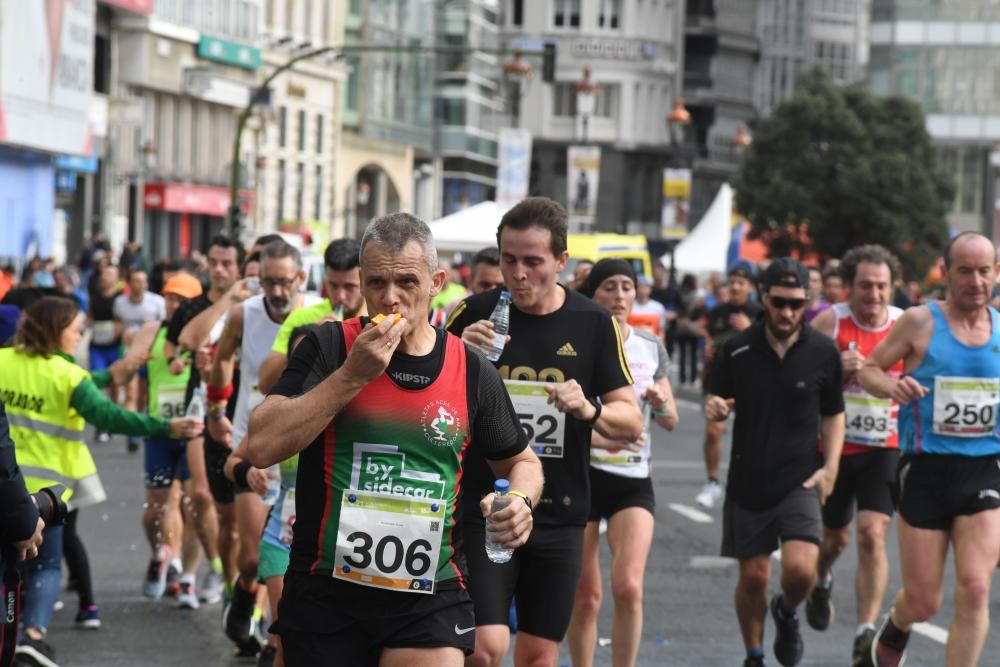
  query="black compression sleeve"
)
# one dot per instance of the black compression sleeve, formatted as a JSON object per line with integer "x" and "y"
{"x": 496, "y": 431}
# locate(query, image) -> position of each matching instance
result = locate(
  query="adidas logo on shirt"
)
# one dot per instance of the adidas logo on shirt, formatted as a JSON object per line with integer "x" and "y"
{"x": 566, "y": 351}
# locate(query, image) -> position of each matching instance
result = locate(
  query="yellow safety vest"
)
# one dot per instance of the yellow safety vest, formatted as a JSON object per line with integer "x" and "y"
{"x": 47, "y": 431}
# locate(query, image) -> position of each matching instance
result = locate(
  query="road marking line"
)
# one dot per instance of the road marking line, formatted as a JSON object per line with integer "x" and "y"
{"x": 711, "y": 562}
{"x": 931, "y": 631}
{"x": 690, "y": 513}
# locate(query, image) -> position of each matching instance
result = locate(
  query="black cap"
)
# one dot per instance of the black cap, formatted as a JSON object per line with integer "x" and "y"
{"x": 785, "y": 272}
{"x": 741, "y": 269}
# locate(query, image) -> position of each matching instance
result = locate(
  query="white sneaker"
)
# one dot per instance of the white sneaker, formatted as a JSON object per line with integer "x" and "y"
{"x": 710, "y": 494}
{"x": 211, "y": 587}
{"x": 187, "y": 599}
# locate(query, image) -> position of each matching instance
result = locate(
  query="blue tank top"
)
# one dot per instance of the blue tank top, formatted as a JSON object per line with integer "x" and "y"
{"x": 959, "y": 413}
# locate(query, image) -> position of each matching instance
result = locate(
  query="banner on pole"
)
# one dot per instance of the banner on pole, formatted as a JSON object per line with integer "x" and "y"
{"x": 514, "y": 169}
{"x": 582, "y": 183}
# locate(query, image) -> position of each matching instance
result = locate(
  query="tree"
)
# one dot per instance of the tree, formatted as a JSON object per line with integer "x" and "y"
{"x": 841, "y": 166}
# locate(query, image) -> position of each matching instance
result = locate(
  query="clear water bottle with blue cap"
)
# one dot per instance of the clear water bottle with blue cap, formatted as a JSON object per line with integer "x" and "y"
{"x": 495, "y": 552}
{"x": 501, "y": 325}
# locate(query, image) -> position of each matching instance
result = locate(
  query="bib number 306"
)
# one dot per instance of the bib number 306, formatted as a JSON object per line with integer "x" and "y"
{"x": 389, "y": 542}
{"x": 965, "y": 407}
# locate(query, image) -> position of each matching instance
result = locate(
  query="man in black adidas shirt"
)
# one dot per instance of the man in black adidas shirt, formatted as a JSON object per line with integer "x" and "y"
{"x": 384, "y": 416}
{"x": 565, "y": 368}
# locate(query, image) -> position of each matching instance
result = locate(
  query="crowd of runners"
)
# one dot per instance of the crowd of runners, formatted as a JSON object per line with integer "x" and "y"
{"x": 332, "y": 473}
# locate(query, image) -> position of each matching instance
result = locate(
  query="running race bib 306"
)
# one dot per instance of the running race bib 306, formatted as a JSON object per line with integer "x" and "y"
{"x": 544, "y": 425}
{"x": 170, "y": 402}
{"x": 868, "y": 420}
{"x": 389, "y": 542}
{"x": 965, "y": 407}
{"x": 287, "y": 518}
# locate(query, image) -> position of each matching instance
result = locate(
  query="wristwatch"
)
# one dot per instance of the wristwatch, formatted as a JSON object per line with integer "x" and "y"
{"x": 523, "y": 496}
{"x": 597, "y": 411}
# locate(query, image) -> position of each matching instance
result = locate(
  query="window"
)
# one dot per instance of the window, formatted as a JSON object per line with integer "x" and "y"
{"x": 319, "y": 134}
{"x": 318, "y": 194}
{"x": 353, "y": 101}
{"x": 281, "y": 191}
{"x": 302, "y": 129}
{"x": 300, "y": 186}
{"x": 451, "y": 111}
{"x": 564, "y": 99}
{"x": 567, "y": 13}
{"x": 608, "y": 12}
{"x": 282, "y": 126}
{"x": 517, "y": 13}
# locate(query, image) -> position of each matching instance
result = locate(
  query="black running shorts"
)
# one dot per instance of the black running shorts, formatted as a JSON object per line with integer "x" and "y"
{"x": 749, "y": 533}
{"x": 328, "y": 623}
{"x": 867, "y": 478}
{"x": 216, "y": 454}
{"x": 611, "y": 493}
{"x": 542, "y": 577}
{"x": 936, "y": 488}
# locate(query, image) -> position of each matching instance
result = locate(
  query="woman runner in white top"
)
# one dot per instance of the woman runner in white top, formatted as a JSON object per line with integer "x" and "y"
{"x": 621, "y": 488}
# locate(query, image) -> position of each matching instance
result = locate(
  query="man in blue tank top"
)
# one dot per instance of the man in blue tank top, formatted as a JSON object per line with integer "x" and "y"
{"x": 949, "y": 473}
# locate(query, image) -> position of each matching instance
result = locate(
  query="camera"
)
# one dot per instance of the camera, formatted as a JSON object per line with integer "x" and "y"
{"x": 52, "y": 509}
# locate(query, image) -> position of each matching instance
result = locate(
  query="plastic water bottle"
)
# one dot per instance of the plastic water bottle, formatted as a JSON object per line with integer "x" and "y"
{"x": 196, "y": 408}
{"x": 273, "y": 485}
{"x": 501, "y": 325}
{"x": 494, "y": 551}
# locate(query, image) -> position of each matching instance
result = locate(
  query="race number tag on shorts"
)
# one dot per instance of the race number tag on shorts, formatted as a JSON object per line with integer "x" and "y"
{"x": 965, "y": 407}
{"x": 170, "y": 402}
{"x": 104, "y": 332}
{"x": 390, "y": 542}
{"x": 544, "y": 425}
{"x": 287, "y": 518}
{"x": 869, "y": 420}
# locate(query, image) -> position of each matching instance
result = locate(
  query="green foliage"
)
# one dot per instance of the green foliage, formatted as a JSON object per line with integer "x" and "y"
{"x": 846, "y": 167}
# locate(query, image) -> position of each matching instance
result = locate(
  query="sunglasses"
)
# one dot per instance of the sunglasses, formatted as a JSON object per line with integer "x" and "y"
{"x": 780, "y": 303}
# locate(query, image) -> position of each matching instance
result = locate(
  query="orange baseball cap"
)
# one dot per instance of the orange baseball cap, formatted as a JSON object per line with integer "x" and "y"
{"x": 183, "y": 284}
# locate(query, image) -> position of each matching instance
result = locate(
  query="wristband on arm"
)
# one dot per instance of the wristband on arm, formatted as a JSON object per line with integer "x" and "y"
{"x": 240, "y": 471}
{"x": 217, "y": 394}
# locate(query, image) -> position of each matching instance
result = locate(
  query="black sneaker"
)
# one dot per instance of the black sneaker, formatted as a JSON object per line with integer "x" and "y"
{"x": 36, "y": 653}
{"x": 267, "y": 656}
{"x": 889, "y": 645}
{"x": 788, "y": 646}
{"x": 755, "y": 661}
{"x": 132, "y": 445}
{"x": 237, "y": 617}
{"x": 819, "y": 607}
{"x": 862, "y": 656}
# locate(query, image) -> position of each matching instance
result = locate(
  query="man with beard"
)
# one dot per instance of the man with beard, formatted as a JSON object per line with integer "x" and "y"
{"x": 783, "y": 381}
{"x": 342, "y": 287}
{"x": 250, "y": 328}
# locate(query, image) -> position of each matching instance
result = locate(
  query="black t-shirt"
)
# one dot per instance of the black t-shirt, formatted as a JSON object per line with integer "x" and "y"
{"x": 102, "y": 310}
{"x": 494, "y": 432}
{"x": 719, "y": 329}
{"x": 186, "y": 312}
{"x": 579, "y": 341}
{"x": 778, "y": 407}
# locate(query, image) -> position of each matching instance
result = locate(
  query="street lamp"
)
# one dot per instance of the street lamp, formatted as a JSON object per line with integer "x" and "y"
{"x": 518, "y": 73}
{"x": 586, "y": 97}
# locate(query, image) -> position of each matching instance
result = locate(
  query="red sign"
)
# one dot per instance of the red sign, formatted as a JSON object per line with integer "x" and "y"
{"x": 144, "y": 7}
{"x": 191, "y": 198}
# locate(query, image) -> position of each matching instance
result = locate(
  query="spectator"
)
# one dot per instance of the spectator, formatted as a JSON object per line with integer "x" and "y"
{"x": 690, "y": 328}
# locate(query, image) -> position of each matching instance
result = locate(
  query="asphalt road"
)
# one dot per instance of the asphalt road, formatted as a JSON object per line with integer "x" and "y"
{"x": 688, "y": 609}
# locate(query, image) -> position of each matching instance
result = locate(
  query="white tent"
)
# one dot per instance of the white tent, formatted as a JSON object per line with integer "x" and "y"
{"x": 705, "y": 248}
{"x": 468, "y": 230}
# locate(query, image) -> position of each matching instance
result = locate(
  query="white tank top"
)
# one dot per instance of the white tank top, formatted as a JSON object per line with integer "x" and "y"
{"x": 259, "y": 332}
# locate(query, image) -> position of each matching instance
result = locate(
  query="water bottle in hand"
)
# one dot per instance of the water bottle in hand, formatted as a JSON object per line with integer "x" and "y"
{"x": 273, "y": 485}
{"x": 196, "y": 408}
{"x": 495, "y": 552}
{"x": 501, "y": 325}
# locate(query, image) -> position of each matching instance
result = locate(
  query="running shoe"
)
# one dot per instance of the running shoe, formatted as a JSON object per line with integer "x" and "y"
{"x": 237, "y": 617}
{"x": 211, "y": 587}
{"x": 755, "y": 661}
{"x": 788, "y": 647}
{"x": 267, "y": 656}
{"x": 819, "y": 607}
{"x": 173, "y": 581}
{"x": 89, "y": 618}
{"x": 156, "y": 574}
{"x": 35, "y": 652}
{"x": 862, "y": 656}
{"x": 889, "y": 645}
{"x": 132, "y": 445}
{"x": 187, "y": 598}
{"x": 710, "y": 494}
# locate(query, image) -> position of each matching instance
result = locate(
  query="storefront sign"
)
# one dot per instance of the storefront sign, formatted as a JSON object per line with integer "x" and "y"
{"x": 229, "y": 53}
{"x": 192, "y": 198}
{"x": 144, "y": 7}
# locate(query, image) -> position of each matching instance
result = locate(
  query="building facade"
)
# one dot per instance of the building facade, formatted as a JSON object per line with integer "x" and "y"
{"x": 941, "y": 54}
{"x": 633, "y": 49}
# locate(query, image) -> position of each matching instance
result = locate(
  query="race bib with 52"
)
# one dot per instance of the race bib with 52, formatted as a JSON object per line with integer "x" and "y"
{"x": 544, "y": 425}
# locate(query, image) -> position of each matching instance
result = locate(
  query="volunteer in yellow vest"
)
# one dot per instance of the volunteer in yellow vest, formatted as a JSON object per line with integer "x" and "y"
{"x": 49, "y": 401}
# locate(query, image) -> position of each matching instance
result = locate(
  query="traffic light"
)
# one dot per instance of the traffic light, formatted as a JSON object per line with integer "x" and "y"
{"x": 549, "y": 63}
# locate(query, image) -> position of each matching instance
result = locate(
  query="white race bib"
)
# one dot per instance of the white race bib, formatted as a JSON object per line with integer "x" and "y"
{"x": 287, "y": 518}
{"x": 868, "y": 420}
{"x": 965, "y": 407}
{"x": 103, "y": 332}
{"x": 544, "y": 425}
{"x": 170, "y": 402}
{"x": 390, "y": 542}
